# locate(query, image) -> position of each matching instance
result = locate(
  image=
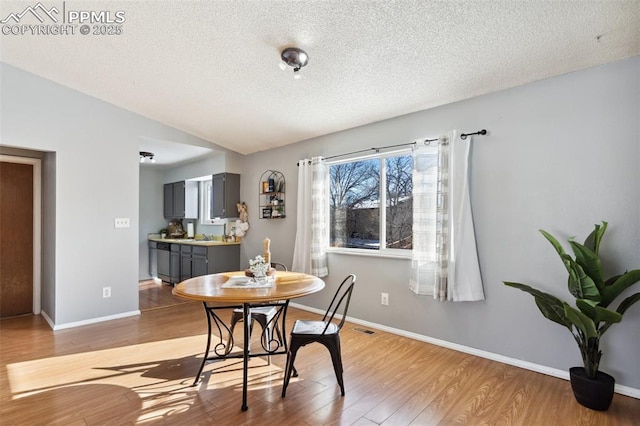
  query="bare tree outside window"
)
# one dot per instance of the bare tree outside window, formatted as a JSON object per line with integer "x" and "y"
{"x": 353, "y": 187}
{"x": 355, "y": 190}
{"x": 399, "y": 202}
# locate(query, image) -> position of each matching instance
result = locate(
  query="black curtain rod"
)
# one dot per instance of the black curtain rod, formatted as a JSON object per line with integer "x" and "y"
{"x": 463, "y": 136}
{"x": 482, "y": 132}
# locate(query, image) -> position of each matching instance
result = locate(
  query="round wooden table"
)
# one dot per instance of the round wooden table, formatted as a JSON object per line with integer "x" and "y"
{"x": 214, "y": 293}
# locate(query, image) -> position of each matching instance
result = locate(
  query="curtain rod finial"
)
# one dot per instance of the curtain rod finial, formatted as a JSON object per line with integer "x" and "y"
{"x": 482, "y": 132}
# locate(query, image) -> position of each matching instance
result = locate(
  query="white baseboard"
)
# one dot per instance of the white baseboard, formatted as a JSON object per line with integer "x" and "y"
{"x": 89, "y": 321}
{"x": 622, "y": 390}
{"x": 47, "y": 319}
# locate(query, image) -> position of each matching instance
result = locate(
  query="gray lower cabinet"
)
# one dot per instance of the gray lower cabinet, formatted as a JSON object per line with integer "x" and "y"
{"x": 185, "y": 262}
{"x": 199, "y": 261}
{"x": 153, "y": 259}
{"x": 178, "y": 262}
{"x": 163, "y": 261}
{"x": 175, "y": 264}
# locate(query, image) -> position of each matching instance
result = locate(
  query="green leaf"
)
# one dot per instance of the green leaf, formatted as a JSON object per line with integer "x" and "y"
{"x": 551, "y": 307}
{"x": 590, "y": 263}
{"x": 611, "y": 280}
{"x": 609, "y": 293}
{"x": 581, "y": 321}
{"x": 553, "y": 312}
{"x": 606, "y": 315}
{"x": 581, "y": 286}
{"x": 627, "y": 303}
{"x": 587, "y": 307}
{"x": 553, "y": 242}
{"x": 622, "y": 308}
{"x": 598, "y": 314}
{"x": 593, "y": 240}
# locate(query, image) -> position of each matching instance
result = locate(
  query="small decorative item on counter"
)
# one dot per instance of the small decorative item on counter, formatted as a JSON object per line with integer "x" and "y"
{"x": 163, "y": 233}
{"x": 241, "y": 229}
{"x": 175, "y": 229}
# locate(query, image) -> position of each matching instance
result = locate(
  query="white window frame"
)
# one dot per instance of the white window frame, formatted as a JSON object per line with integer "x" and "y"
{"x": 382, "y": 251}
{"x": 205, "y": 203}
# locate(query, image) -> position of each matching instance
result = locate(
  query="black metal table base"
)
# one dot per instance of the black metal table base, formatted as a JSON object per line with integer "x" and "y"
{"x": 271, "y": 343}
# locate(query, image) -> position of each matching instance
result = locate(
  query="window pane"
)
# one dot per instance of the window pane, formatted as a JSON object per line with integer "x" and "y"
{"x": 399, "y": 202}
{"x": 354, "y": 204}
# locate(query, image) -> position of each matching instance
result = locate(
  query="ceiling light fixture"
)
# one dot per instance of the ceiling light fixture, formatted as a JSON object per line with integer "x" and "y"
{"x": 295, "y": 58}
{"x": 144, "y": 155}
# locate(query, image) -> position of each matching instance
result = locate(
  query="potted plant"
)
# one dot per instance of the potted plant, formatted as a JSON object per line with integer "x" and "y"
{"x": 591, "y": 317}
{"x": 163, "y": 233}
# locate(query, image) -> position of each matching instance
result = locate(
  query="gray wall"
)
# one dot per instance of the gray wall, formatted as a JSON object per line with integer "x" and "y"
{"x": 562, "y": 154}
{"x": 93, "y": 178}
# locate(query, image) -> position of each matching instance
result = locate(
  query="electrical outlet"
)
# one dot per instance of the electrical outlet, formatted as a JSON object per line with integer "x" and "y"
{"x": 121, "y": 222}
{"x": 384, "y": 299}
{"x": 106, "y": 292}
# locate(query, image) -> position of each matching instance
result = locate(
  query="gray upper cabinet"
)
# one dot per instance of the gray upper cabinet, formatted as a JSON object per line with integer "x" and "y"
{"x": 181, "y": 200}
{"x": 226, "y": 193}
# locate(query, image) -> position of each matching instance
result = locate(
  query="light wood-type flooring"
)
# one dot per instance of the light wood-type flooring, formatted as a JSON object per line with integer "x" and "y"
{"x": 139, "y": 370}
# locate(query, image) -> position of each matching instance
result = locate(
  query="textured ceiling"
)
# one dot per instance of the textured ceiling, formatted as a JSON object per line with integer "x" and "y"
{"x": 211, "y": 69}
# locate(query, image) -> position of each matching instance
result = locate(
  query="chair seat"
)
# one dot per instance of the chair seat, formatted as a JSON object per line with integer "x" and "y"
{"x": 267, "y": 311}
{"x": 314, "y": 327}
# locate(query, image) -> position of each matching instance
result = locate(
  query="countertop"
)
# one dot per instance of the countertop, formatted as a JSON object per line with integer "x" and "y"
{"x": 192, "y": 242}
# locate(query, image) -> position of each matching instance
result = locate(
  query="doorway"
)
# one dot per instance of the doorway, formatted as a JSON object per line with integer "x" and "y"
{"x": 20, "y": 208}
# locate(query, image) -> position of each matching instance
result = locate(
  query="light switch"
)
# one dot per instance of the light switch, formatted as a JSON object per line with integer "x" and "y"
{"x": 121, "y": 222}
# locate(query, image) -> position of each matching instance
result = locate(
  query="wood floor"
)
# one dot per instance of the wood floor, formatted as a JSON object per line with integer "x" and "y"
{"x": 155, "y": 294}
{"x": 139, "y": 370}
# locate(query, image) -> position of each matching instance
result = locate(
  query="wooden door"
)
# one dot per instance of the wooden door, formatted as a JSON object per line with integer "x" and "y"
{"x": 16, "y": 242}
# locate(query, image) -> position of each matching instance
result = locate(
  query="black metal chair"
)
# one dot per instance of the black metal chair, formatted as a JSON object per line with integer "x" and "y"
{"x": 326, "y": 332}
{"x": 261, "y": 315}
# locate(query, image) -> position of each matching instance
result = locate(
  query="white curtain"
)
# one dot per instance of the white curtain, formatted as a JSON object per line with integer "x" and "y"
{"x": 309, "y": 255}
{"x": 444, "y": 257}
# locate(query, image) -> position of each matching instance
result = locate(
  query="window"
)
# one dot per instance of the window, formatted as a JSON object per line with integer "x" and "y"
{"x": 206, "y": 191}
{"x": 357, "y": 191}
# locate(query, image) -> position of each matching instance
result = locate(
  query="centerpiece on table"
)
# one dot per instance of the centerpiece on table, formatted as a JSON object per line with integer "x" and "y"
{"x": 259, "y": 268}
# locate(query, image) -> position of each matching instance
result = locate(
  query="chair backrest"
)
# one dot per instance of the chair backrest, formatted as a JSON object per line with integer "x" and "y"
{"x": 279, "y": 266}
{"x": 340, "y": 302}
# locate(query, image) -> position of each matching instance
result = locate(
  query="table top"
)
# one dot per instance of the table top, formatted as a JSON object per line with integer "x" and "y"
{"x": 208, "y": 288}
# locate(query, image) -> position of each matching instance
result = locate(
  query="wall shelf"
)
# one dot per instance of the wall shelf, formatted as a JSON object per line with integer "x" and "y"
{"x": 271, "y": 198}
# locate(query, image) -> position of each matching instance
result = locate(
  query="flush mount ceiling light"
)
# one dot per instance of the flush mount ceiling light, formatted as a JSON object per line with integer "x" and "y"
{"x": 295, "y": 58}
{"x": 144, "y": 155}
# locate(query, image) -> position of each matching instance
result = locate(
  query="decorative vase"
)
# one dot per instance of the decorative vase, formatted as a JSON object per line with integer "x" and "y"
{"x": 595, "y": 394}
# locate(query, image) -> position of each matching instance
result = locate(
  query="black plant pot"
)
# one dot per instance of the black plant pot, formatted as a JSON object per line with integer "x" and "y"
{"x": 592, "y": 393}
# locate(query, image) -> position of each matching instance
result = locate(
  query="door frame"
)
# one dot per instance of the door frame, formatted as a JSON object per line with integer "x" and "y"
{"x": 37, "y": 225}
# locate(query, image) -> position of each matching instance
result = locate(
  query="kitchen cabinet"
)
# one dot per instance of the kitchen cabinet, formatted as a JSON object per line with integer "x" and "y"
{"x": 163, "y": 260}
{"x": 200, "y": 261}
{"x": 181, "y": 200}
{"x": 225, "y": 195}
{"x": 185, "y": 262}
{"x": 153, "y": 259}
{"x": 177, "y": 262}
{"x": 174, "y": 267}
